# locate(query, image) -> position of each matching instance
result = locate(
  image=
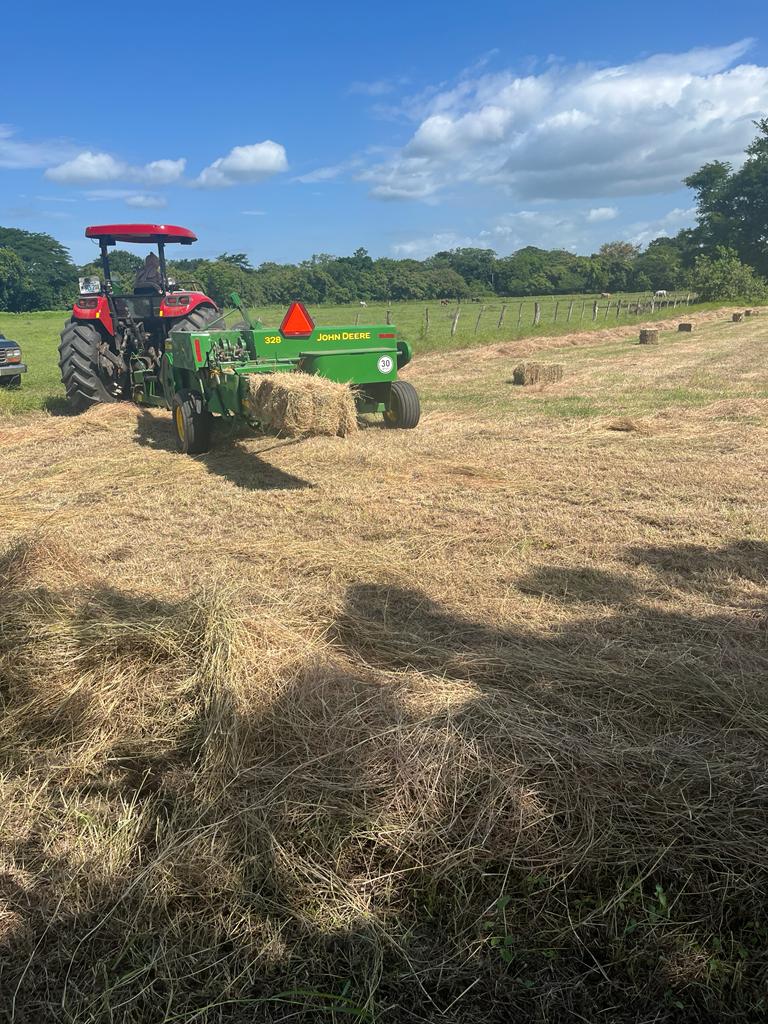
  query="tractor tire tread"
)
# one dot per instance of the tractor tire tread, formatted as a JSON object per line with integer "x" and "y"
{"x": 78, "y": 364}
{"x": 197, "y": 320}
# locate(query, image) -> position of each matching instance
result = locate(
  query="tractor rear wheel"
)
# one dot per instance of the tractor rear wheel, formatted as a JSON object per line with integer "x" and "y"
{"x": 192, "y": 422}
{"x": 404, "y": 408}
{"x": 84, "y": 373}
{"x": 198, "y": 320}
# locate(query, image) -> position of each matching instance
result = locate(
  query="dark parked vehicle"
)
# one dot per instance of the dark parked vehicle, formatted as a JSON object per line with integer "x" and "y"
{"x": 11, "y": 366}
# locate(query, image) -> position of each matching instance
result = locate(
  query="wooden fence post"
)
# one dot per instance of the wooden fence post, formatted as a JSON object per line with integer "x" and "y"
{"x": 536, "y": 313}
{"x": 426, "y": 319}
{"x": 520, "y": 315}
{"x": 477, "y": 322}
{"x": 357, "y": 318}
{"x": 607, "y": 310}
{"x": 594, "y": 311}
{"x": 618, "y": 309}
{"x": 557, "y": 305}
{"x": 501, "y": 316}
{"x": 389, "y": 316}
{"x": 455, "y": 320}
{"x": 570, "y": 311}
{"x": 583, "y": 307}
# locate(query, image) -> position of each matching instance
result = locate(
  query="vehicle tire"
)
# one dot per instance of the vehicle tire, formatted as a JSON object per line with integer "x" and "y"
{"x": 84, "y": 374}
{"x": 405, "y": 409}
{"x": 11, "y": 382}
{"x": 192, "y": 423}
{"x": 198, "y": 320}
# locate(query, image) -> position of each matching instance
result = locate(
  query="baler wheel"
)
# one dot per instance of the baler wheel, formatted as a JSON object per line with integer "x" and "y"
{"x": 192, "y": 423}
{"x": 405, "y": 410}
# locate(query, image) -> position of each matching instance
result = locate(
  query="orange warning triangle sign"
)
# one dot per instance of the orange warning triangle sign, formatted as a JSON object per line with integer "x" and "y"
{"x": 297, "y": 323}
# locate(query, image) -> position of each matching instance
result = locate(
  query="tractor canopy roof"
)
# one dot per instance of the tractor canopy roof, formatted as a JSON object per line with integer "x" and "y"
{"x": 112, "y": 233}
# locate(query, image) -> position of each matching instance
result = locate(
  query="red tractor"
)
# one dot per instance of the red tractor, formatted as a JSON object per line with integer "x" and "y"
{"x": 110, "y": 336}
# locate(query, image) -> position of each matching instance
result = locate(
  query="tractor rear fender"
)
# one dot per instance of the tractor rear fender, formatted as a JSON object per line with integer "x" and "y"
{"x": 404, "y": 354}
{"x": 95, "y": 308}
{"x": 172, "y": 307}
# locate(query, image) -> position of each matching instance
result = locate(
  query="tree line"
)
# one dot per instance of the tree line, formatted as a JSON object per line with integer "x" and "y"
{"x": 725, "y": 256}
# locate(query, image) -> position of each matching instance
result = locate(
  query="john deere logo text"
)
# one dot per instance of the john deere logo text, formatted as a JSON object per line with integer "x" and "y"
{"x": 345, "y": 336}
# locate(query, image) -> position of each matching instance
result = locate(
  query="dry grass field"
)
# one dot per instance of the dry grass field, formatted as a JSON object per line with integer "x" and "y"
{"x": 463, "y": 724}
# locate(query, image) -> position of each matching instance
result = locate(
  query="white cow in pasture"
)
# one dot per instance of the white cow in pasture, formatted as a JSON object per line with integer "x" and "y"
{"x": 660, "y": 294}
{"x": 363, "y": 303}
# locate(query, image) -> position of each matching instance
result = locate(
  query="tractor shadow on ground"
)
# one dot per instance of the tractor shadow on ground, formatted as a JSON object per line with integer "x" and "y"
{"x": 56, "y": 405}
{"x": 229, "y": 458}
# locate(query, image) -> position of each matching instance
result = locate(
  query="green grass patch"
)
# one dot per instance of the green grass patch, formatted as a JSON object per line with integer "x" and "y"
{"x": 38, "y": 334}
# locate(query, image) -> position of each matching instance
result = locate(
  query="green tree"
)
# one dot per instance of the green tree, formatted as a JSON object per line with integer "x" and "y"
{"x": 621, "y": 251}
{"x": 733, "y": 205}
{"x": 237, "y": 259}
{"x": 724, "y": 276}
{"x": 660, "y": 266}
{"x": 13, "y": 285}
{"x": 49, "y": 272}
{"x": 617, "y": 261}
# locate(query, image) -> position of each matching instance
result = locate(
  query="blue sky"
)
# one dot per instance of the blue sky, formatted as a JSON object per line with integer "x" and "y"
{"x": 283, "y": 130}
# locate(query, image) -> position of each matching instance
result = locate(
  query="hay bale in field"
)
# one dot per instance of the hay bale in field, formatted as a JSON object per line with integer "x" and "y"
{"x": 751, "y": 312}
{"x": 300, "y": 404}
{"x": 537, "y": 373}
{"x": 737, "y": 317}
{"x": 685, "y": 327}
{"x": 649, "y": 336}
{"x": 624, "y": 424}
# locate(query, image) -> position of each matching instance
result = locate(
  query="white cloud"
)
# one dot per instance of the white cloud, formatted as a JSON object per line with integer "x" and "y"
{"x": 579, "y": 131}
{"x": 548, "y": 228}
{"x": 381, "y": 87}
{"x": 601, "y": 213}
{"x": 420, "y": 248}
{"x": 642, "y": 232}
{"x": 143, "y": 200}
{"x": 253, "y": 213}
{"x": 146, "y": 201}
{"x": 323, "y": 173}
{"x": 16, "y": 154}
{"x": 162, "y": 172}
{"x": 245, "y": 164}
{"x": 87, "y": 168}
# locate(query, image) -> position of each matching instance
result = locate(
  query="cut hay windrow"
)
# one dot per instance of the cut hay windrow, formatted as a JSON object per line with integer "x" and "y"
{"x": 300, "y": 404}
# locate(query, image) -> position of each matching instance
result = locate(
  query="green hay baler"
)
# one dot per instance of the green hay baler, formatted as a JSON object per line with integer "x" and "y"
{"x": 202, "y": 373}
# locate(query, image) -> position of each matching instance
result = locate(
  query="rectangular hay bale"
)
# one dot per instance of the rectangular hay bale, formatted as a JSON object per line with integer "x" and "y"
{"x": 537, "y": 373}
{"x": 300, "y": 404}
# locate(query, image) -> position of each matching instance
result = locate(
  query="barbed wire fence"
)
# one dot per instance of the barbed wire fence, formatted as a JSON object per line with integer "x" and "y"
{"x": 518, "y": 314}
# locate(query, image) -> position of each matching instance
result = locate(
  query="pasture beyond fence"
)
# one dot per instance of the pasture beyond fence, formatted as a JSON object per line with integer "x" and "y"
{"x": 533, "y": 312}
{"x": 437, "y": 323}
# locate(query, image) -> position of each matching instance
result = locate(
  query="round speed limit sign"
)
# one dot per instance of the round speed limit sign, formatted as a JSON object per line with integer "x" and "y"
{"x": 385, "y": 364}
